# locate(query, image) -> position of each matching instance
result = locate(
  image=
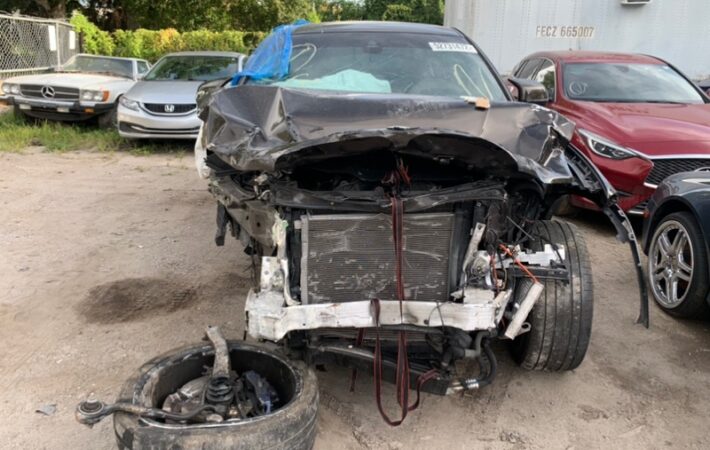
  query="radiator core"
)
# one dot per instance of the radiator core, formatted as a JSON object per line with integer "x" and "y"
{"x": 350, "y": 257}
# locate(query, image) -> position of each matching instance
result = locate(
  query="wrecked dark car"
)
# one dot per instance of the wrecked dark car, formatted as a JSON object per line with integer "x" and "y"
{"x": 396, "y": 202}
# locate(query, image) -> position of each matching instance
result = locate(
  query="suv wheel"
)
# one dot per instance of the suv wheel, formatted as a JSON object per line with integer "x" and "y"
{"x": 678, "y": 266}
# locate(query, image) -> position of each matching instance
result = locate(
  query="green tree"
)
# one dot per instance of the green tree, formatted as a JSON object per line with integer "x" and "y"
{"x": 57, "y": 9}
{"x": 398, "y": 13}
{"x": 336, "y": 10}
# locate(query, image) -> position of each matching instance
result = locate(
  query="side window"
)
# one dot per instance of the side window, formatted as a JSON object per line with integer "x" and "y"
{"x": 142, "y": 67}
{"x": 546, "y": 76}
{"x": 527, "y": 68}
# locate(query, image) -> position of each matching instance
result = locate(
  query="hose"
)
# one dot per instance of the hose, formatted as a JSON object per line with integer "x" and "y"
{"x": 481, "y": 380}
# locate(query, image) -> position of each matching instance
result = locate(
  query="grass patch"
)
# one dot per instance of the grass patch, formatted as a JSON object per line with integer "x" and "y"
{"x": 16, "y": 134}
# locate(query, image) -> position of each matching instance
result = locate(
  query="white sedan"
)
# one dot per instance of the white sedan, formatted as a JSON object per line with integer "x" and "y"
{"x": 86, "y": 87}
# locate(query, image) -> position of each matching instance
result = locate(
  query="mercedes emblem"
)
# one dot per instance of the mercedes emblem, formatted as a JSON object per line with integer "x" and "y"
{"x": 47, "y": 91}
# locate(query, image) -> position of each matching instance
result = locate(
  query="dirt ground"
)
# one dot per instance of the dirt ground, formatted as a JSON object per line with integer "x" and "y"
{"x": 108, "y": 260}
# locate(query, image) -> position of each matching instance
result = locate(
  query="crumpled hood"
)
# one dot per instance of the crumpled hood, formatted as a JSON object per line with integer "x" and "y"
{"x": 71, "y": 80}
{"x": 178, "y": 92}
{"x": 256, "y": 126}
{"x": 653, "y": 129}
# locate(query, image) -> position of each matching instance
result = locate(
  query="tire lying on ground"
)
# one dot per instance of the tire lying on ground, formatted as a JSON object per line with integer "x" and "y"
{"x": 292, "y": 426}
{"x": 561, "y": 320}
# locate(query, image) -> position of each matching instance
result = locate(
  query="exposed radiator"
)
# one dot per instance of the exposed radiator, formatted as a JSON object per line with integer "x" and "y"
{"x": 351, "y": 257}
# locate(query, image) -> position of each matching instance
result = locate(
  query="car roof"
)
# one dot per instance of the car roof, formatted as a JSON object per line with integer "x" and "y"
{"x": 109, "y": 57}
{"x": 373, "y": 26}
{"x": 596, "y": 57}
{"x": 205, "y": 53}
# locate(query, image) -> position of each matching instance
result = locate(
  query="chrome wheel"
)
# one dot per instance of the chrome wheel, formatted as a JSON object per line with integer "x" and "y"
{"x": 670, "y": 264}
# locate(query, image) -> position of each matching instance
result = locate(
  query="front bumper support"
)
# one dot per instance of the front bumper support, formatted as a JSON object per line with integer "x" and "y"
{"x": 268, "y": 319}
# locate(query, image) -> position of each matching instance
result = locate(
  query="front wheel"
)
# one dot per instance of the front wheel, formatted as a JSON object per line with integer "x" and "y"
{"x": 678, "y": 266}
{"x": 561, "y": 320}
{"x": 109, "y": 119}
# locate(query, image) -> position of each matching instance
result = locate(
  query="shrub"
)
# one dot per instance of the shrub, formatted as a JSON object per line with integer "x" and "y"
{"x": 398, "y": 13}
{"x": 95, "y": 41}
{"x": 152, "y": 44}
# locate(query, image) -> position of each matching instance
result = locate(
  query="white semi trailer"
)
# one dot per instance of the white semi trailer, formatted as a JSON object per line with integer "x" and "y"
{"x": 675, "y": 30}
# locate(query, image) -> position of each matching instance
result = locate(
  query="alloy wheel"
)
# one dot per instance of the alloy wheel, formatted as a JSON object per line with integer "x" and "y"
{"x": 670, "y": 264}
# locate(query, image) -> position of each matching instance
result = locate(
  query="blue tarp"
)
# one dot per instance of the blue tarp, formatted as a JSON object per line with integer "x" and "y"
{"x": 271, "y": 58}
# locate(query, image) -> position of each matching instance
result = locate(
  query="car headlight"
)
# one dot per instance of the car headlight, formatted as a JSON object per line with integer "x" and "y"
{"x": 10, "y": 88}
{"x": 128, "y": 103}
{"x": 94, "y": 96}
{"x": 604, "y": 147}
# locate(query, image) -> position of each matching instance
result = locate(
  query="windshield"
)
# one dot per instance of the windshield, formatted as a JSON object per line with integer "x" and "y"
{"x": 627, "y": 83}
{"x": 193, "y": 68}
{"x": 425, "y": 64}
{"x": 93, "y": 64}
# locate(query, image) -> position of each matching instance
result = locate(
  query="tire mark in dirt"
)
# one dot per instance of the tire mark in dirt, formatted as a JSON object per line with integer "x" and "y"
{"x": 135, "y": 298}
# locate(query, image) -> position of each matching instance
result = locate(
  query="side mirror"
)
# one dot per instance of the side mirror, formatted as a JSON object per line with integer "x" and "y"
{"x": 530, "y": 91}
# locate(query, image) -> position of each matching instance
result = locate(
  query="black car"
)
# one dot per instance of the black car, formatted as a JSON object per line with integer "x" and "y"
{"x": 396, "y": 201}
{"x": 675, "y": 239}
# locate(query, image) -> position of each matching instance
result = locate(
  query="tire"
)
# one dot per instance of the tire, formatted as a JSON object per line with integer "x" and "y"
{"x": 109, "y": 119}
{"x": 561, "y": 320}
{"x": 19, "y": 115}
{"x": 693, "y": 301}
{"x": 292, "y": 426}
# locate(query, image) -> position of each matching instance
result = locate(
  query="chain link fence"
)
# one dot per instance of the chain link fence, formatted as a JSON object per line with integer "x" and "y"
{"x": 32, "y": 45}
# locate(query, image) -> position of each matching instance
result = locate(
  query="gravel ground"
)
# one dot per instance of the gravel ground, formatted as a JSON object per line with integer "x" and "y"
{"x": 108, "y": 260}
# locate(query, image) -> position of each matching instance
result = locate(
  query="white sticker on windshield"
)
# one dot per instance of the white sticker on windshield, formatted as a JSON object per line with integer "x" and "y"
{"x": 452, "y": 47}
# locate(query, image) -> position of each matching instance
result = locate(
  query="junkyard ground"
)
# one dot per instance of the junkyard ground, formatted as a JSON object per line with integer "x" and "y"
{"x": 107, "y": 260}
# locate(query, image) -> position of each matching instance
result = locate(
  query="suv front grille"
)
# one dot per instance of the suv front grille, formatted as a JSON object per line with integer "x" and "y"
{"x": 663, "y": 168}
{"x": 60, "y": 93}
{"x": 177, "y": 108}
{"x": 351, "y": 257}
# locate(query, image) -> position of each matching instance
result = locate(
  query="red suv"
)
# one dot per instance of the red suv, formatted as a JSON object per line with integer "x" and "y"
{"x": 638, "y": 118}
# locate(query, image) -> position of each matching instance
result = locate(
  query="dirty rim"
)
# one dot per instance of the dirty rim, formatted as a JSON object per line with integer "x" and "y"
{"x": 670, "y": 264}
{"x": 170, "y": 377}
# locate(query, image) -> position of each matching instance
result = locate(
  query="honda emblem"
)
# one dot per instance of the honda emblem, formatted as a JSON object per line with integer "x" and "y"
{"x": 169, "y": 108}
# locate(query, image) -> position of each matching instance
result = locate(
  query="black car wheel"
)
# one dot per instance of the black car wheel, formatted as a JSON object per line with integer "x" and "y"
{"x": 678, "y": 266}
{"x": 561, "y": 320}
{"x": 109, "y": 119}
{"x": 291, "y": 426}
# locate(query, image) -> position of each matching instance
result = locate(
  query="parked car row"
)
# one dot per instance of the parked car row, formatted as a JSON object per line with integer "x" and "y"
{"x": 157, "y": 102}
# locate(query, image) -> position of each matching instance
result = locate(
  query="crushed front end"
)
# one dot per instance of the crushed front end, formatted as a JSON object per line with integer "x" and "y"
{"x": 404, "y": 230}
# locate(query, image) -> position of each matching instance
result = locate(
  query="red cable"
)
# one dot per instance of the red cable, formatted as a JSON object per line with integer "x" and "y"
{"x": 517, "y": 261}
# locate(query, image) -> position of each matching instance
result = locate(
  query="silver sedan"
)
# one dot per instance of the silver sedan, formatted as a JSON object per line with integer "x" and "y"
{"x": 163, "y": 104}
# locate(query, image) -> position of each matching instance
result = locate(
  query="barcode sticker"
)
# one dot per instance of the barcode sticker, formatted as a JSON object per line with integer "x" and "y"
{"x": 452, "y": 47}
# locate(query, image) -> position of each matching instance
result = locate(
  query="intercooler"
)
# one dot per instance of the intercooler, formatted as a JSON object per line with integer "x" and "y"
{"x": 351, "y": 257}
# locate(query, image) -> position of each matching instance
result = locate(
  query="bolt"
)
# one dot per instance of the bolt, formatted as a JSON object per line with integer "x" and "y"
{"x": 91, "y": 404}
